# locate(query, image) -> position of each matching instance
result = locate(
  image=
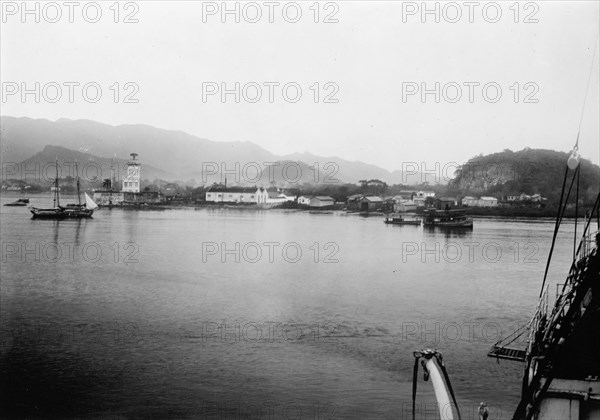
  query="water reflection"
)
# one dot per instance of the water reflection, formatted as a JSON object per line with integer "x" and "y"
{"x": 77, "y": 238}
{"x": 448, "y": 233}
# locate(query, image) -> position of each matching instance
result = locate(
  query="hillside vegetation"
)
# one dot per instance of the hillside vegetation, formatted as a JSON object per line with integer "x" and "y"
{"x": 529, "y": 171}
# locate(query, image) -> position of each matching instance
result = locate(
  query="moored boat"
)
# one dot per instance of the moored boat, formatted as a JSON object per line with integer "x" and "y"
{"x": 447, "y": 219}
{"x": 19, "y": 203}
{"x": 397, "y": 219}
{"x": 69, "y": 211}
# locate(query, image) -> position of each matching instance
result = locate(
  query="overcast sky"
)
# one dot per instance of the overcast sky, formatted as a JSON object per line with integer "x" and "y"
{"x": 366, "y": 65}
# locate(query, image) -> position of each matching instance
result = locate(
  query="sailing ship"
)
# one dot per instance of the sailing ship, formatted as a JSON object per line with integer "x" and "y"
{"x": 455, "y": 218}
{"x": 69, "y": 211}
{"x": 397, "y": 219}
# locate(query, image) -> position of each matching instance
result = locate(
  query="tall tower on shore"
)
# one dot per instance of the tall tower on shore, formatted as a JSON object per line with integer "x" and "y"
{"x": 131, "y": 182}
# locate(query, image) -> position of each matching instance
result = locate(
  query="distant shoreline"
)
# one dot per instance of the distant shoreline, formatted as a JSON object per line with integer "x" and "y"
{"x": 499, "y": 212}
{"x": 503, "y": 212}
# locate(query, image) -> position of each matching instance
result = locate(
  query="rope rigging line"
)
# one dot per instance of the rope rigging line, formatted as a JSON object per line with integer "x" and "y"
{"x": 576, "y": 213}
{"x": 556, "y": 225}
{"x": 587, "y": 87}
{"x": 414, "y": 386}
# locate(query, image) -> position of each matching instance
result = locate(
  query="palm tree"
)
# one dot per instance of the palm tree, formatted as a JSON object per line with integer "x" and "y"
{"x": 107, "y": 184}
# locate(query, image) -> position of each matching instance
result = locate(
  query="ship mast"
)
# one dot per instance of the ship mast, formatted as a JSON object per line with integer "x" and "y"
{"x": 56, "y": 199}
{"x": 78, "y": 193}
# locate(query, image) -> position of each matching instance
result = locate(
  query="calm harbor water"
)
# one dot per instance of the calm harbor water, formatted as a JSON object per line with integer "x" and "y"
{"x": 223, "y": 313}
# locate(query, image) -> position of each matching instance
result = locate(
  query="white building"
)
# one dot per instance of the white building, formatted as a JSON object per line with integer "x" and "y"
{"x": 537, "y": 198}
{"x": 321, "y": 201}
{"x": 405, "y": 206}
{"x": 287, "y": 197}
{"x": 469, "y": 201}
{"x": 304, "y": 200}
{"x": 107, "y": 197}
{"x": 419, "y": 201}
{"x": 232, "y": 195}
{"x": 425, "y": 194}
{"x": 272, "y": 196}
{"x": 480, "y": 202}
{"x": 132, "y": 180}
{"x": 487, "y": 202}
{"x": 252, "y": 195}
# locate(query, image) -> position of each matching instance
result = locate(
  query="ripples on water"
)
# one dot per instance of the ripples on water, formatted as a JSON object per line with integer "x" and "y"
{"x": 180, "y": 334}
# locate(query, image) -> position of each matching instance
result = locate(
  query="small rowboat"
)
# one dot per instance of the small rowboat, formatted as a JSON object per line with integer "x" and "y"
{"x": 19, "y": 203}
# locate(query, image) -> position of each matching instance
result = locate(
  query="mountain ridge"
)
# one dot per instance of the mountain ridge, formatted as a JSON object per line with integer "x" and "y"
{"x": 173, "y": 151}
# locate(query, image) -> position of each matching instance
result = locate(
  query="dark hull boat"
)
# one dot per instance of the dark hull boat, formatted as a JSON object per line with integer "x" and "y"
{"x": 447, "y": 219}
{"x": 54, "y": 213}
{"x": 78, "y": 211}
{"x": 62, "y": 213}
{"x": 70, "y": 211}
{"x": 466, "y": 224}
{"x": 21, "y": 202}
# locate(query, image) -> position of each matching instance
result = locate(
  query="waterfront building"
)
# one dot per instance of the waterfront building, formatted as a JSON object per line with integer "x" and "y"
{"x": 248, "y": 195}
{"x": 232, "y": 194}
{"x": 353, "y": 201}
{"x": 480, "y": 202}
{"x": 405, "y": 206}
{"x": 445, "y": 203}
{"x": 321, "y": 201}
{"x": 273, "y": 196}
{"x": 469, "y": 201}
{"x": 304, "y": 200}
{"x": 371, "y": 203}
{"x": 487, "y": 202}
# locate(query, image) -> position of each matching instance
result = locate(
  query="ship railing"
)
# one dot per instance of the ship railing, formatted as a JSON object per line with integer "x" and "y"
{"x": 568, "y": 291}
{"x": 509, "y": 348}
{"x": 539, "y": 318}
{"x": 588, "y": 244}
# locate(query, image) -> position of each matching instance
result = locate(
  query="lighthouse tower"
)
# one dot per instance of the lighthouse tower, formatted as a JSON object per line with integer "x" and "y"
{"x": 131, "y": 182}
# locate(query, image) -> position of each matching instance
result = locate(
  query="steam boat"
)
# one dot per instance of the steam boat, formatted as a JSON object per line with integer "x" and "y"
{"x": 447, "y": 219}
